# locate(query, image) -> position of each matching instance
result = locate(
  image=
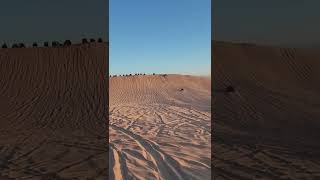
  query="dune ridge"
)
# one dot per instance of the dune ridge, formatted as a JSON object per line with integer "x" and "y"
{"x": 159, "y": 89}
{"x": 160, "y": 127}
{"x": 53, "y": 107}
{"x": 268, "y": 128}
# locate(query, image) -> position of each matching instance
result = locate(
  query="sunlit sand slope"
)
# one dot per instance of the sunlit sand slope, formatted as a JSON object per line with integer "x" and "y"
{"x": 160, "y": 127}
{"x": 269, "y": 127}
{"x": 53, "y": 104}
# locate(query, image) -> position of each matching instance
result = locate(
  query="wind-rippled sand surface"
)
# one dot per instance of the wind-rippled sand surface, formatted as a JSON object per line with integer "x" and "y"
{"x": 157, "y": 130}
{"x": 53, "y": 104}
{"x": 269, "y": 127}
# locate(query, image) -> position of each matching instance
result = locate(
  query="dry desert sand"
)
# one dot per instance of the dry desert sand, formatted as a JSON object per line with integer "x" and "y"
{"x": 269, "y": 128}
{"x": 157, "y": 130}
{"x": 53, "y": 112}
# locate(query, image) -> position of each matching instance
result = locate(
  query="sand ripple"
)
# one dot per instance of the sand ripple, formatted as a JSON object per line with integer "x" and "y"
{"x": 159, "y": 140}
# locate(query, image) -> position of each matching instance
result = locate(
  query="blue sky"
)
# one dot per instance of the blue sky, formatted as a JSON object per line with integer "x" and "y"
{"x": 42, "y": 20}
{"x": 161, "y": 36}
{"x": 275, "y": 22}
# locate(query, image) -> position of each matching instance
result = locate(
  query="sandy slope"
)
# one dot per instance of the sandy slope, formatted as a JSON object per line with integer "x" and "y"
{"x": 157, "y": 131}
{"x": 53, "y": 112}
{"x": 269, "y": 127}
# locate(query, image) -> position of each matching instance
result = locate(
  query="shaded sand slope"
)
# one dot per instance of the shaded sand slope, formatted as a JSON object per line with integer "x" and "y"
{"x": 158, "y": 130}
{"x": 269, "y": 127}
{"x": 53, "y": 105}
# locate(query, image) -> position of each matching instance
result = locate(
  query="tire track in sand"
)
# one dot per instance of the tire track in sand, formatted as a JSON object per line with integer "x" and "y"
{"x": 166, "y": 166}
{"x": 118, "y": 169}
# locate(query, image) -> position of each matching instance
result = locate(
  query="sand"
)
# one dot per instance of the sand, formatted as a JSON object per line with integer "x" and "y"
{"x": 53, "y": 106}
{"x": 157, "y": 130}
{"x": 269, "y": 127}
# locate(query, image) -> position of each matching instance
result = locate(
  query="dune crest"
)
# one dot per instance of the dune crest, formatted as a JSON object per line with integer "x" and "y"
{"x": 183, "y": 89}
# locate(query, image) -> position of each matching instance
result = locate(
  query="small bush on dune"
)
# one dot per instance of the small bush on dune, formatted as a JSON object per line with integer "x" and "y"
{"x": 67, "y": 43}
{"x": 4, "y": 46}
{"x": 21, "y": 45}
{"x": 55, "y": 44}
{"x": 230, "y": 89}
{"x": 84, "y": 41}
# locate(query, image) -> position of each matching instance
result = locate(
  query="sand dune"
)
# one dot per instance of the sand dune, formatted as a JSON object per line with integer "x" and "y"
{"x": 157, "y": 130}
{"x": 269, "y": 127}
{"x": 53, "y": 105}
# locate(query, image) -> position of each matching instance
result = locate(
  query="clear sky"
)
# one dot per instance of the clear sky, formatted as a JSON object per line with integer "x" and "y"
{"x": 161, "y": 36}
{"x": 30, "y": 21}
{"x": 279, "y": 22}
